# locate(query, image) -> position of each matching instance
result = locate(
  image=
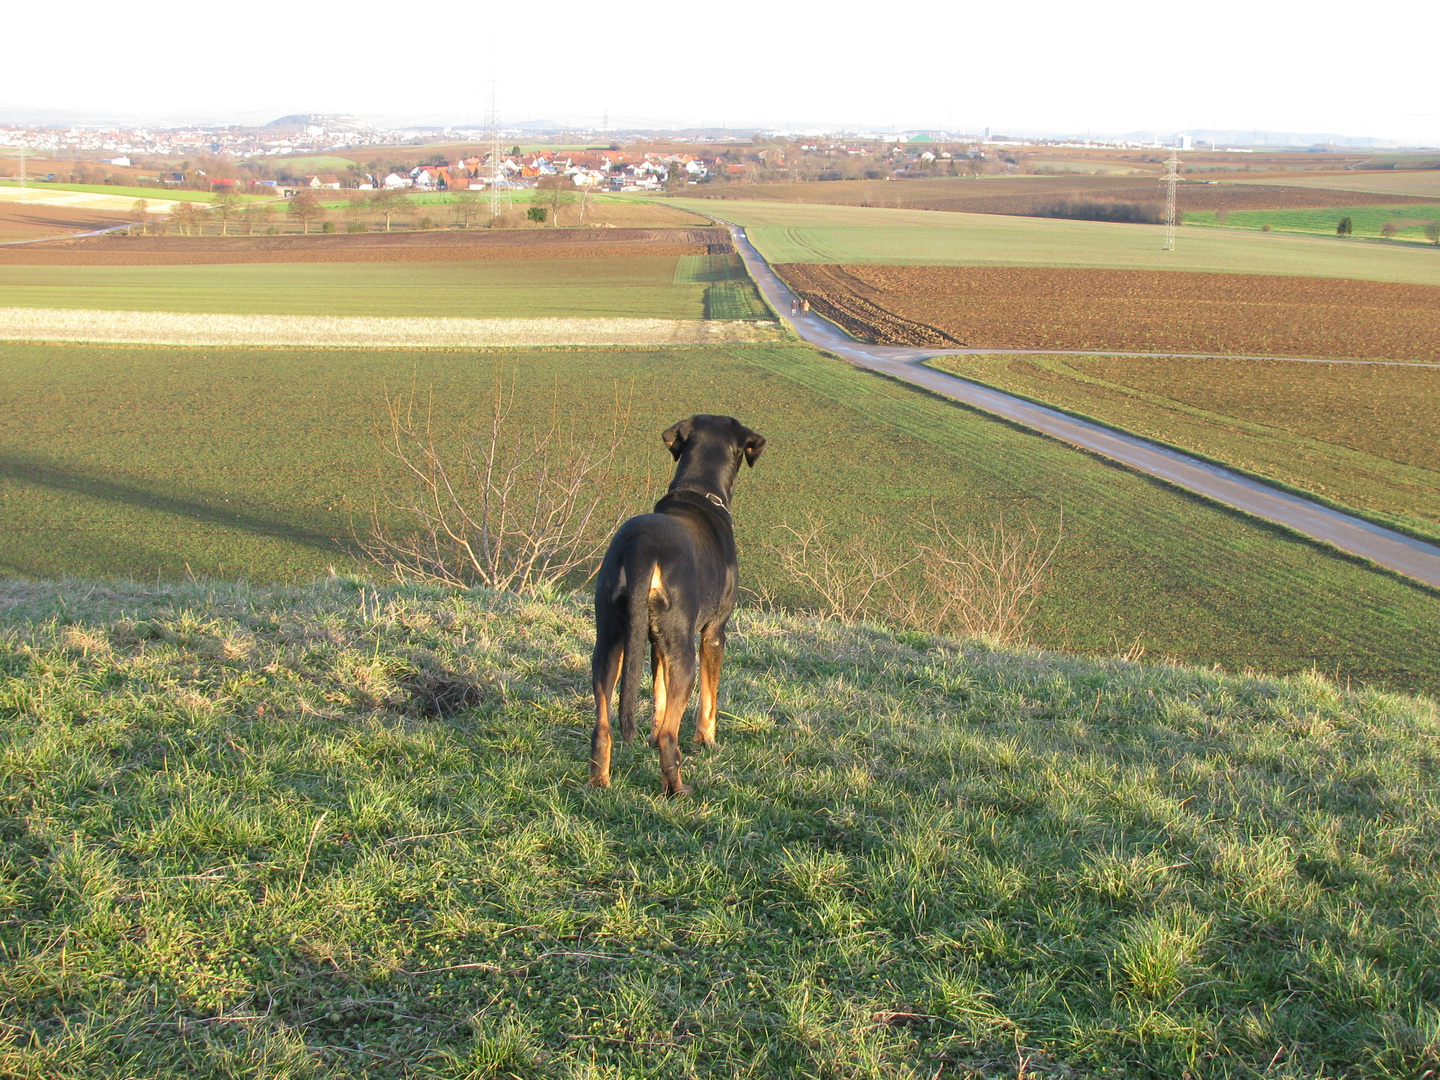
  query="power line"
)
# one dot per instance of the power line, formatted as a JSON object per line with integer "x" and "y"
{"x": 1172, "y": 174}
{"x": 498, "y": 180}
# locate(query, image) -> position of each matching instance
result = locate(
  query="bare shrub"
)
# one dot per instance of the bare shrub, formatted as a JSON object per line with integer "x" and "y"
{"x": 1144, "y": 213}
{"x": 510, "y": 506}
{"x": 979, "y": 583}
{"x": 854, "y": 576}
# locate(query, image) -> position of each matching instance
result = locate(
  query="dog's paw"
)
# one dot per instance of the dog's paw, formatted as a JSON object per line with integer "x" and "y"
{"x": 704, "y": 740}
{"x": 600, "y": 781}
{"x": 682, "y": 792}
{"x": 653, "y": 739}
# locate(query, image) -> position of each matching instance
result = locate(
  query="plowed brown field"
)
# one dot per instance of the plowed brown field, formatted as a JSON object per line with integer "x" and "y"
{"x": 22, "y": 221}
{"x": 481, "y": 244}
{"x": 1024, "y": 194}
{"x": 1124, "y": 310}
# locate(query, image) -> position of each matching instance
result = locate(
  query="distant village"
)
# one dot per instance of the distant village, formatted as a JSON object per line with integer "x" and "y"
{"x": 601, "y": 170}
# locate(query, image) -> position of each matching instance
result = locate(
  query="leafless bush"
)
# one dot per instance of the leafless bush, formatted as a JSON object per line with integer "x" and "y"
{"x": 854, "y": 576}
{"x": 509, "y": 506}
{"x": 982, "y": 582}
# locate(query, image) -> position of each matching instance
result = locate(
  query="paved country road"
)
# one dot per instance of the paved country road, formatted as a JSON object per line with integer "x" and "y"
{"x": 1385, "y": 547}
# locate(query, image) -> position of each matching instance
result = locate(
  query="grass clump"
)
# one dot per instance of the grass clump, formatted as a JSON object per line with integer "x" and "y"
{"x": 232, "y": 843}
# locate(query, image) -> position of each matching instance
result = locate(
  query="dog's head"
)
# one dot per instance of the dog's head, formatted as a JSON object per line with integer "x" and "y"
{"x": 709, "y": 450}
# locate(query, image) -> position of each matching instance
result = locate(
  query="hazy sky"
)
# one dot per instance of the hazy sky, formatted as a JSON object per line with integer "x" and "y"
{"x": 1111, "y": 67}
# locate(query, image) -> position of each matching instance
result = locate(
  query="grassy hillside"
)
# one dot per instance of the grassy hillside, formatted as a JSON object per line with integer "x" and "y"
{"x": 146, "y": 462}
{"x": 793, "y": 233}
{"x": 239, "y": 839}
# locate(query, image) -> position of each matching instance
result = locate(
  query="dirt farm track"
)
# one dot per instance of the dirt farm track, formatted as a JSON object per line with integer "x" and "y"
{"x": 1124, "y": 310}
{"x": 456, "y": 245}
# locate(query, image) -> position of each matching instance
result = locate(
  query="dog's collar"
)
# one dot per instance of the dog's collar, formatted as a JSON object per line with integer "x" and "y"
{"x": 717, "y": 501}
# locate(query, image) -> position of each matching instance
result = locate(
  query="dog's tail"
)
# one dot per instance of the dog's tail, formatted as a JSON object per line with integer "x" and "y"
{"x": 638, "y": 571}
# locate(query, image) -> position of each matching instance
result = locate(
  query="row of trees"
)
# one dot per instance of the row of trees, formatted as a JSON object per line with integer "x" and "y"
{"x": 1346, "y": 227}
{"x": 234, "y": 213}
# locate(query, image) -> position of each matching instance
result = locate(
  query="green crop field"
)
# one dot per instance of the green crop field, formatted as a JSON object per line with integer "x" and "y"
{"x": 729, "y": 291}
{"x": 1360, "y": 436}
{"x": 640, "y": 286}
{"x": 174, "y": 194}
{"x": 1367, "y": 221}
{"x": 237, "y": 845}
{"x": 790, "y": 232}
{"x": 259, "y": 464}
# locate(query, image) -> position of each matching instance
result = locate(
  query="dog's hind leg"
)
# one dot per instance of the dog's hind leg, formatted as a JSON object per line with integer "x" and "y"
{"x": 604, "y": 668}
{"x": 657, "y": 673}
{"x": 712, "y": 655}
{"x": 679, "y": 667}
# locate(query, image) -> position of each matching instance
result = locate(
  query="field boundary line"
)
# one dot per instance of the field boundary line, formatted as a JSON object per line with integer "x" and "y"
{"x": 1401, "y": 554}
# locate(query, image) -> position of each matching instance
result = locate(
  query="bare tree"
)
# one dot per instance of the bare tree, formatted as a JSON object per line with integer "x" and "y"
{"x": 305, "y": 208}
{"x": 389, "y": 203}
{"x": 186, "y": 216}
{"x": 258, "y": 214}
{"x": 467, "y": 207}
{"x": 853, "y": 576}
{"x": 506, "y": 506}
{"x": 140, "y": 214}
{"x": 559, "y": 191}
{"x": 226, "y": 205}
{"x": 977, "y": 583}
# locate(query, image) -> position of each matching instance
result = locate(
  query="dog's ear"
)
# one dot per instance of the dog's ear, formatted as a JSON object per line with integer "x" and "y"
{"x": 676, "y": 437}
{"x": 754, "y": 444}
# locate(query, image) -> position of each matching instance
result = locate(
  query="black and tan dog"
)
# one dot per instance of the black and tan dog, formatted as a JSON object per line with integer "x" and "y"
{"x": 666, "y": 575}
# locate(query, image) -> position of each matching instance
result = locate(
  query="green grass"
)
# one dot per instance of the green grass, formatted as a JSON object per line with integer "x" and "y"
{"x": 729, "y": 292}
{"x": 640, "y": 286}
{"x": 233, "y": 846}
{"x": 1355, "y": 436}
{"x": 146, "y": 462}
{"x": 710, "y": 269}
{"x": 791, "y": 232}
{"x": 1367, "y": 221}
{"x": 735, "y": 300}
{"x": 174, "y": 194}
